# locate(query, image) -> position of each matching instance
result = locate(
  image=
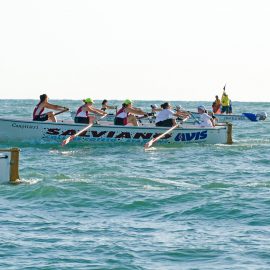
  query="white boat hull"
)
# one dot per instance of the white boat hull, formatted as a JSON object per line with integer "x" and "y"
{"x": 33, "y": 131}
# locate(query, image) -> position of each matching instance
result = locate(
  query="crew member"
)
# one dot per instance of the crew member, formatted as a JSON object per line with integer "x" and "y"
{"x": 166, "y": 117}
{"x": 43, "y": 104}
{"x": 83, "y": 116}
{"x": 205, "y": 119}
{"x": 105, "y": 106}
{"x": 126, "y": 115}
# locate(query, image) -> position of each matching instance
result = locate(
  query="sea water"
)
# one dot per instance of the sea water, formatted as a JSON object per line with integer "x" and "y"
{"x": 119, "y": 207}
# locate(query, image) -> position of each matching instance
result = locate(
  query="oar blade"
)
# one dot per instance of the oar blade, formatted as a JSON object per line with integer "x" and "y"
{"x": 70, "y": 138}
{"x": 67, "y": 140}
{"x": 148, "y": 145}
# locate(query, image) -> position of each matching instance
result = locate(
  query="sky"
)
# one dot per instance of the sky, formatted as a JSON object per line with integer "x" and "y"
{"x": 143, "y": 49}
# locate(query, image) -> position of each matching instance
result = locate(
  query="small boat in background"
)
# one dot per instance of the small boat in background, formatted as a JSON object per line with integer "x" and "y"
{"x": 238, "y": 117}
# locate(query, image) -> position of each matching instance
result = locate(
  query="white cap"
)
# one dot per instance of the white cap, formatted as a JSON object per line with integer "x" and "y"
{"x": 155, "y": 106}
{"x": 201, "y": 107}
{"x": 178, "y": 107}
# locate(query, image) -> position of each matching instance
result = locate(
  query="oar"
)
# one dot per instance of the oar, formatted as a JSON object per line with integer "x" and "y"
{"x": 192, "y": 115}
{"x": 65, "y": 110}
{"x": 70, "y": 138}
{"x": 150, "y": 143}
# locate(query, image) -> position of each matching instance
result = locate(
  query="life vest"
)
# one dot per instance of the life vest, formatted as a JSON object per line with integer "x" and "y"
{"x": 81, "y": 113}
{"x": 225, "y": 101}
{"x": 123, "y": 114}
{"x": 37, "y": 111}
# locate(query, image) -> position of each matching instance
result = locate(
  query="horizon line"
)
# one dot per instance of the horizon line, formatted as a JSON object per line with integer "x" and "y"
{"x": 162, "y": 100}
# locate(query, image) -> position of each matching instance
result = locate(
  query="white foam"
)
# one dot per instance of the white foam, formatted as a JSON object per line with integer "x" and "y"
{"x": 174, "y": 183}
{"x": 30, "y": 181}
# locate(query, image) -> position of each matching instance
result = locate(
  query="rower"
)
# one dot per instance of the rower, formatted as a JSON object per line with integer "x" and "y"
{"x": 82, "y": 115}
{"x": 38, "y": 114}
{"x": 126, "y": 115}
{"x": 205, "y": 120}
{"x": 105, "y": 106}
{"x": 166, "y": 117}
{"x": 155, "y": 108}
{"x": 215, "y": 119}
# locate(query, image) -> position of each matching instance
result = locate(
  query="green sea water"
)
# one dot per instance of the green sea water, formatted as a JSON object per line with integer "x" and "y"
{"x": 119, "y": 207}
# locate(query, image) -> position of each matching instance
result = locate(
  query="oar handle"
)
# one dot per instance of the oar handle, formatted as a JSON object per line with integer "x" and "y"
{"x": 65, "y": 110}
{"x": 103, "y": 116}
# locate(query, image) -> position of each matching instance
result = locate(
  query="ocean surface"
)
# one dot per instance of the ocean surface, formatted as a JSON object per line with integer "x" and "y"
{"x": 119, "y": 207}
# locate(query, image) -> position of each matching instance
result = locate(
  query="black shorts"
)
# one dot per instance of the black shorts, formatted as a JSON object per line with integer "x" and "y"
{"x": 42, "y": 117}
{"x": 225, "y": 109}
{"x": 81, "y": 120}
{"x": 165, "y": 123}
{"x": 119, "y": 121}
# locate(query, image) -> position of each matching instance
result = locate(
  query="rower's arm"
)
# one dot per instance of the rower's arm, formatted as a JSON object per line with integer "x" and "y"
{"x": 96, "y": 111}
{"x": 182, "y": 114}
{"x": 213, "y": 122}
{"x": 156, "y": 110}
{"x": 136, "y": 111}
{"x": 111, "y": 107}
{"x": 53, "y": 107}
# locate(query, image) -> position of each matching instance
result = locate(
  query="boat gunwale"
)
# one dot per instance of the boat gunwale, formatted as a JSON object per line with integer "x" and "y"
{"x": 217, "y": 127}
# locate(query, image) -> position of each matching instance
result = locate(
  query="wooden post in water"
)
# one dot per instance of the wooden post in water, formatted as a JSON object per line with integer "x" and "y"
{"x": 10, "y": 165}
{"x": 229, "y": 133}
{"x": 14, "y": 165}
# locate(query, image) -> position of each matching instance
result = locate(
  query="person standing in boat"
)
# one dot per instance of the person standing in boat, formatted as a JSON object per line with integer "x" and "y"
{"x": 43, "y": 104}
{"x": 82, "y": 114}
{"x": 105, "y": 106}
{"x": 216, "y": 105}
{"x": 166, "y": 117}
{"x": 126, "y": 115}
{"x": 225, "y": 102}
{"x": 205, "y": 119}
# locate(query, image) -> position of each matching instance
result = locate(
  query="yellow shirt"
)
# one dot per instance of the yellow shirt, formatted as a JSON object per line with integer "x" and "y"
{"x": 225, "y": 100}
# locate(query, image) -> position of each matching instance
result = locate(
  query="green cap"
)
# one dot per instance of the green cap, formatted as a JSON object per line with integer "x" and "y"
{"x": 127, "y": 101}
{"x": 88, "y": 100}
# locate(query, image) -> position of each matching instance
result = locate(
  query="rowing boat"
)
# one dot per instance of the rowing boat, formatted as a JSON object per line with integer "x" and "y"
{"x": 33, "y": 131}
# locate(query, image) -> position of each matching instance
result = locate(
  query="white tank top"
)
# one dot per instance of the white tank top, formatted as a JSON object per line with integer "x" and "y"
{"x": 164, "y": 115}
